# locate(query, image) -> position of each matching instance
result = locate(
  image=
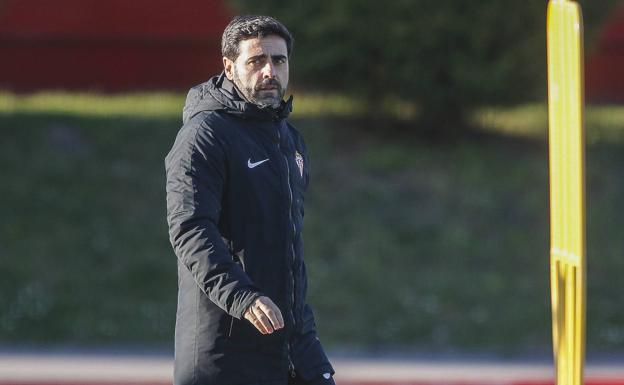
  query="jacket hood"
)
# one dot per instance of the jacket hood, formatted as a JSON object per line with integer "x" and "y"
{"x": 220, "y": 94}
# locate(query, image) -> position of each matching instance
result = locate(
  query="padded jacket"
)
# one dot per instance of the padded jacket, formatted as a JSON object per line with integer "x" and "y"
{"x": 236, "y": 178}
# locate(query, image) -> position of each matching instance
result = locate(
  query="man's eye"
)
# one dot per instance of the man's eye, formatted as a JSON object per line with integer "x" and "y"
{"x": 281, "y": 60}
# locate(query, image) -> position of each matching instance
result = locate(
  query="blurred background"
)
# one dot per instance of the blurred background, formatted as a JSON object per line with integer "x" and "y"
{"x": 427, "y": 216}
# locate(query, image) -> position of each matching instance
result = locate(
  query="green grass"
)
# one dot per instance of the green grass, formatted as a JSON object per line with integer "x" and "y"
{"x": 169, "y": 105}
{"x": 410, "y": 244}
{"x": 83, "y": 241}
{"x": 603, "y": 123}
{"x": 133, "y": 105}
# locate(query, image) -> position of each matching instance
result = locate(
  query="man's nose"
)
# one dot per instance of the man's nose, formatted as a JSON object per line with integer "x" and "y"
{"x": 268, "y": 71}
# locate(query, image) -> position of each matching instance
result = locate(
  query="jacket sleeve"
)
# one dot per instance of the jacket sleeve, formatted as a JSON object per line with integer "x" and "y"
{"x": 307, "y": 353}
{"x": 196, "y": 172}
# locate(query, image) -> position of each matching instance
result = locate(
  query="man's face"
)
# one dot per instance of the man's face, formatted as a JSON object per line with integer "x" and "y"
{"x": 261, "y": 70}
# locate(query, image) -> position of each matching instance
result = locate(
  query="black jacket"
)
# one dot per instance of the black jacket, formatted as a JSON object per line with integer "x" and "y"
{"x": 236, "y": 178}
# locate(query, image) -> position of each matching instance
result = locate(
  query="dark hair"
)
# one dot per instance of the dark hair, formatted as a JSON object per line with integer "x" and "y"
{"x": 250, "y": 26}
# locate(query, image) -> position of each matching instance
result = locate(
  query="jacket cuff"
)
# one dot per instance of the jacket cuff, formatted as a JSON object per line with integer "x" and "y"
{"x": 242, "y": 299}
{"x": 316, "y": 372}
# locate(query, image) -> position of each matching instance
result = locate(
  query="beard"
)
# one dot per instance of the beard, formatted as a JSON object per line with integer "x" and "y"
{"x": 259, "y": 94}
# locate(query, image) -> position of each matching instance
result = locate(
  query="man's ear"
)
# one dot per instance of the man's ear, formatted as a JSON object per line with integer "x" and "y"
{"x": 228, "y": 67}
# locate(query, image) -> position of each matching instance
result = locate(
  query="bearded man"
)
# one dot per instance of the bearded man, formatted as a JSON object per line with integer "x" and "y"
{"x": 236, "y": 178}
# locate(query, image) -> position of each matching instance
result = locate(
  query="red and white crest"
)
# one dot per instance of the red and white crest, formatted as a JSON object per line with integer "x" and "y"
{"x": 299, "y": 160}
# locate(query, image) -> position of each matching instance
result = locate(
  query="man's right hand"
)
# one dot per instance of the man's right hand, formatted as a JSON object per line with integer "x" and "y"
{"x": 265, "y": 315}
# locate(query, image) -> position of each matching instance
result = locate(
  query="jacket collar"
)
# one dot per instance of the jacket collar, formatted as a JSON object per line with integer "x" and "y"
{"x": 219, "y": 93}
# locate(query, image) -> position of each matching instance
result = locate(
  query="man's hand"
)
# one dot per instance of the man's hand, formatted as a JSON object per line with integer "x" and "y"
{"x": 265, "y": 315}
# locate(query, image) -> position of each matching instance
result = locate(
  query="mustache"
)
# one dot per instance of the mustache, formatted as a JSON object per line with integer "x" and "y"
{"x": 265, "y": 83}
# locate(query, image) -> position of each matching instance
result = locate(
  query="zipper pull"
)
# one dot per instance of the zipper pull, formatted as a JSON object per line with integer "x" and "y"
{"x": 231, "y": 326}
{"x": 291, "y": 369}
{"x": 291, "y": 366}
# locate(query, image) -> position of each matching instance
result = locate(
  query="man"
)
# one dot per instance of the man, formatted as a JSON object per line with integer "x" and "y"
{"x": 236, "y": 178}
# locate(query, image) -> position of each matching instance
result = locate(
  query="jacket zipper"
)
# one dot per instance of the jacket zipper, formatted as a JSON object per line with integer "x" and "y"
{"x": 231, "y": 247}
{"x": 290, "y": 197}
{"x": 291, "y": 366}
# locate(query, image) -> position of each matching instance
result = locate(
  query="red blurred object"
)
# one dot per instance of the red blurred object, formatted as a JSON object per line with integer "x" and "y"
{"x": 109, "y": 45}
{"x": 604, "y": 70}
{"x": 120, "y": 45}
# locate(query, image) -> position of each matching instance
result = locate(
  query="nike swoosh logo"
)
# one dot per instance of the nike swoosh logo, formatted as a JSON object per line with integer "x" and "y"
{"x": 252, "y": 165}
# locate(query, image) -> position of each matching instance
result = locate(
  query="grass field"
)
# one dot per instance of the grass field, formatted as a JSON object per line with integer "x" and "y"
{"x": 411, "y": 244}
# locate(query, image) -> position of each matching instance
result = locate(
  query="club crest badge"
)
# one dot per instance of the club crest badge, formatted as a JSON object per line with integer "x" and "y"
{"x": 299, "y": 160}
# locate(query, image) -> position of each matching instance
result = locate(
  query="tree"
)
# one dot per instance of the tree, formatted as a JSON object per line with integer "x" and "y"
{"x": 446, "y": 56}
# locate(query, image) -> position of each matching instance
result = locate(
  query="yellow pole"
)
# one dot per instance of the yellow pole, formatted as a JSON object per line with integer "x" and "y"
{"x": 567, "y": 188}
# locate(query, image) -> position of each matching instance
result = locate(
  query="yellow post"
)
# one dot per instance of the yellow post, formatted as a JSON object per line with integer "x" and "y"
{"x": 567, "y": 188}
